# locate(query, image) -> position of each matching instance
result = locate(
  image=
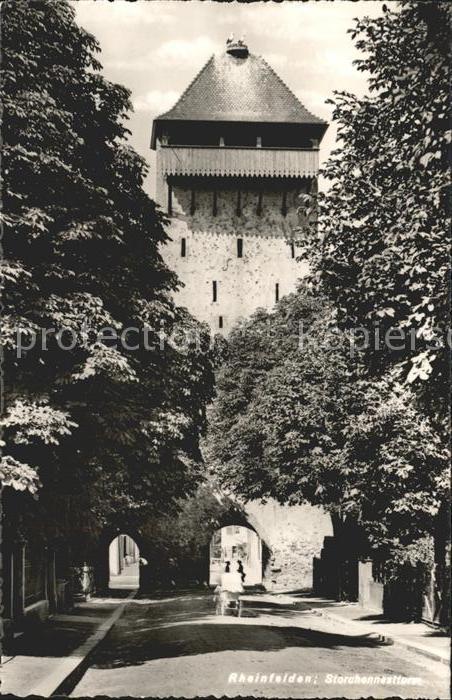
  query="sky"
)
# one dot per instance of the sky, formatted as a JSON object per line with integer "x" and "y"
{"x": 156, "y": 47}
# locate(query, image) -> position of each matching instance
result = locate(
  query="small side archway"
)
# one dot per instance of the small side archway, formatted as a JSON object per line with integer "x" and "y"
{"x": 121, "y": 554}
{"x": 124, "y": 563}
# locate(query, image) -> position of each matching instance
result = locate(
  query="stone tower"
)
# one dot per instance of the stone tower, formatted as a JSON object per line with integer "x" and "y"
{"x": 232, "y": 157}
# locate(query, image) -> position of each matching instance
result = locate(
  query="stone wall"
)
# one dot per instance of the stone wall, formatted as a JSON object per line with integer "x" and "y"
{"x": 295, "y": 536}
{"x": 269, "y": 259}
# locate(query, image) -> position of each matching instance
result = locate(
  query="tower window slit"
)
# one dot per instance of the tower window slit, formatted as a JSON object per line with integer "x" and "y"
{"x": 220, "y": 322}
{"x": 284, "y": 204}
{"x": 277, "y": 292}
{"x": 214, "y": 291}
{"x": 238, "y": 210}
{"x": 183, "y": 248}
{"x": 170, "y": 199}
{"x": 259, "y": 204}
{"x": 292, "y": 249}
{"x": 240, "y": 247}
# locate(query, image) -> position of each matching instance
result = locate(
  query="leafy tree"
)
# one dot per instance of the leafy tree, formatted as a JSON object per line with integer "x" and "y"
{"x": 109, "y": 427}
{"x": 381, "y": 251}
{"x": 296, "y": 419}
{"x": 276, "y": 399}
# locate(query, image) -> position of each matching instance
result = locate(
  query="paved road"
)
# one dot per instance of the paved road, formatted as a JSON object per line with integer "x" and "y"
{"x": 177, "y": 647}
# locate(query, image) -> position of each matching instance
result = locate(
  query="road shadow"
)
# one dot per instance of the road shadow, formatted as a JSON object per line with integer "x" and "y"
{"x": 382, "y": 620}
{"x": 180, "y": 633}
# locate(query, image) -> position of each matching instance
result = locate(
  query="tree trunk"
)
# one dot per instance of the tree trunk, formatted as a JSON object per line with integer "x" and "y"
{"x": 442, "y": 564}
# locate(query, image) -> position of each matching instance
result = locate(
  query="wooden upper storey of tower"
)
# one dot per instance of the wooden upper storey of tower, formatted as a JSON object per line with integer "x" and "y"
{"x": 237, "y": 110}
{"x": 237, "y": 162}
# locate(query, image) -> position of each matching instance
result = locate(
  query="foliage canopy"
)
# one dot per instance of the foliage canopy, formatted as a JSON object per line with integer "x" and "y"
{"x": 107, "y": 426}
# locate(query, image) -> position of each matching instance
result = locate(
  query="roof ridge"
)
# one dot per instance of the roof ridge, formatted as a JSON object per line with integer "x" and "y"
{"x": 198, "y": 74}
{"x": 289, "y": 89}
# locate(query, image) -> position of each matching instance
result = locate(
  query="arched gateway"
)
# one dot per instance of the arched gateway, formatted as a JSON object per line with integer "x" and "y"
{"x": 127, "y": 557}
{"x": 120, "y": 553}
{"x": 239, "y": 548}
{"x": 238, "y": 537}
{"x": 124, "y": 563}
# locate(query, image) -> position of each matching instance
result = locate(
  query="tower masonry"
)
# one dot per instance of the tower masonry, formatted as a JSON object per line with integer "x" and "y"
{"x": 233, "y": 157}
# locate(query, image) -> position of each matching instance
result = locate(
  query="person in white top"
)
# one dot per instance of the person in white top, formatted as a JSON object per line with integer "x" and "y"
{"x": 231, "y": 581}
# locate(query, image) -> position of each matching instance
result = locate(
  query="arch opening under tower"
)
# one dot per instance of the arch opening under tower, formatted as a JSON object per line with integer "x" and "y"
{"x": 235, "y": 545}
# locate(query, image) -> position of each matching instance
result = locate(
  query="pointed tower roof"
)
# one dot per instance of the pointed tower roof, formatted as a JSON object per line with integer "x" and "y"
{"x": 237, "y": 86}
